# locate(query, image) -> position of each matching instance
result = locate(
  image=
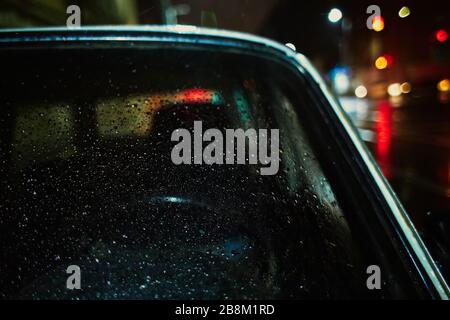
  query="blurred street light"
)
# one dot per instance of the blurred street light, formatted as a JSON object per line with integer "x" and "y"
{"x": 381, "y": 63}
{"x": 441, "y": 35}
{"x": 378, "y": 24}
{"x": 394, "y": 90}
{"x": 342, "y": 83}
{"x": 335, "y": 15}
{"x": 340, "y": 77}
{"x": 361, "y": 92}
{"x": 404, "y": 12}
{"x": 405, "y": 87}
{"x": 344, "y": 26}
{"x": 444, "y": 85}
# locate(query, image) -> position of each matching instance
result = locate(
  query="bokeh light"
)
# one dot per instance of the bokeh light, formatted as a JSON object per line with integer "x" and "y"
{"x": 361, "y": 92}
{"x": 291, "y": 46}
{"x": 335, "y": 15}
{"x": 378, "y": 24}
{"x": 444, "y": 85}
{"x": 441, "y": 35}
{"x": 394, "y": 90}
{"x": 381, "y": 63}
{"x": 404, "y": 12}
{"x": 341, "y": 82}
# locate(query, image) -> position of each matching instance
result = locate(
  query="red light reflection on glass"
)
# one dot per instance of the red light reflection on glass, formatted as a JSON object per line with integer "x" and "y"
{"x": 384, "y": 135}
{"x": 197, "y": 96}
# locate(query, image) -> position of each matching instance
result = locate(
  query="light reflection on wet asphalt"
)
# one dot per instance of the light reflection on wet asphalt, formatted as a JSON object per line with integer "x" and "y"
{"x": 410, "y": 140}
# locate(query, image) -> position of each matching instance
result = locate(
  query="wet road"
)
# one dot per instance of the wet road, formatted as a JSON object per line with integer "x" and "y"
{"x": 410, "y": 139}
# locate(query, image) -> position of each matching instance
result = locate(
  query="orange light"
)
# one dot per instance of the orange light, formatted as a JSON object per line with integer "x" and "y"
{"x": 383, "y": 129}
{"x": 378, "y": 23}
{"x": 361, "y": 92}
{"x": 381, "y": 63}
{"x": 441, "y": 35}
{"x": 444, "y": 85}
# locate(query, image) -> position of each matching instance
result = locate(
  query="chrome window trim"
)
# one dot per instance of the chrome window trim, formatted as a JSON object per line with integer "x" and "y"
{"x": 192, "y": 34}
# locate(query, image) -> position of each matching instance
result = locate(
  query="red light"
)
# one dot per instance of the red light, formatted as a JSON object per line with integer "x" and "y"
{"x": 197, "y": 96}
{"x": 384, "y": 136}
{"x": 441, "y": 35}
{"x": 378, "y": 23}
{"x": 389, "y": 59}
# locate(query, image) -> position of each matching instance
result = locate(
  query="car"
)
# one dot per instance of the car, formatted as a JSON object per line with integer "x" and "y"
{"x": 93, "y": 205}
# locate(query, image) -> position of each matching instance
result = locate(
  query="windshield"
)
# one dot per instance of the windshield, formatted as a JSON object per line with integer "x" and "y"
{"x": 91, "y": 177}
